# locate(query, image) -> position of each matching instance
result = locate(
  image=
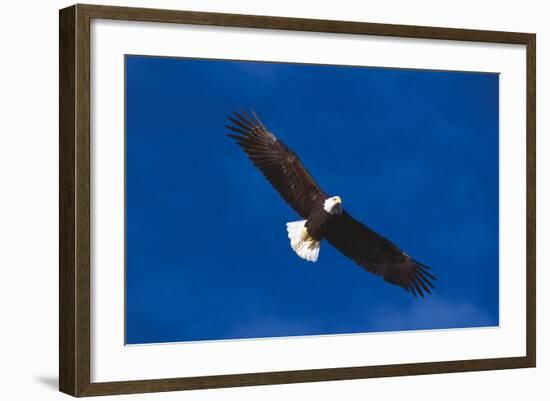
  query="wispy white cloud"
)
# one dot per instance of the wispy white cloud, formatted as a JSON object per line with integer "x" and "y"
{"x": 431, "y": 314}
{"x": 271, "y": 326}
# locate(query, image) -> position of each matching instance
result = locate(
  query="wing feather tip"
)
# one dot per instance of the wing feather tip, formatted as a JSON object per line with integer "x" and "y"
{"x": 238, "y": 139}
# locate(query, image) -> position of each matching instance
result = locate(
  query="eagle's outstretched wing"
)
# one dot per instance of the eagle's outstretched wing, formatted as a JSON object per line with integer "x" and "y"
{"x": 277, "y": 162}
{"x": 378, "y": 255}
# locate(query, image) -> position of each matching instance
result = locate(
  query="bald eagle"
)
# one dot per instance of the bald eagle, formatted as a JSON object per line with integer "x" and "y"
{"x": 324, "y": 216}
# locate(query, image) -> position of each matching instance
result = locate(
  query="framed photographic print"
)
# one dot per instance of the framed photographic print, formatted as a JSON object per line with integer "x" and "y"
{"x": 250, "y": 200}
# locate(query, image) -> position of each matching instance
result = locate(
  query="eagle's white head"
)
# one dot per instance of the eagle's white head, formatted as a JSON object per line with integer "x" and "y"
{"x": 333, "y": 205}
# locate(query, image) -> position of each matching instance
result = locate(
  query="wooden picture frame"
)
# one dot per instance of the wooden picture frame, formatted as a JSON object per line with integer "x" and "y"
{"x": 74, "y": 205}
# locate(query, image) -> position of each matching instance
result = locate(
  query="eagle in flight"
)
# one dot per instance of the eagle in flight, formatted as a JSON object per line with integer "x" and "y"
{"x": 324, "y": 216}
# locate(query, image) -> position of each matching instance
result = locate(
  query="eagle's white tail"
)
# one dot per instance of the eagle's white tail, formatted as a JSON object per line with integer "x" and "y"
{"x": 305, "y": 246}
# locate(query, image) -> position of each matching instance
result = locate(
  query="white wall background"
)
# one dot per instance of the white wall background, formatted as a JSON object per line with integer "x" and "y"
{"x": 29, "y": 182}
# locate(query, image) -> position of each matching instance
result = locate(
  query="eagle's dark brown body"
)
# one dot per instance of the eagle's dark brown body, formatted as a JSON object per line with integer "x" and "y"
{"x": 283, "y": 169}
{"x": 318, "y": 222}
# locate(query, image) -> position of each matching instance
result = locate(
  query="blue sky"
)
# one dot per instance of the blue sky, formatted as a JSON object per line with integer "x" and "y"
{"x": 413, "y": 154}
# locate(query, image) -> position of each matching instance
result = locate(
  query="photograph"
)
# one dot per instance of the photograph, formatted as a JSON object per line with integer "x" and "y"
{"x": 277, "y": 199}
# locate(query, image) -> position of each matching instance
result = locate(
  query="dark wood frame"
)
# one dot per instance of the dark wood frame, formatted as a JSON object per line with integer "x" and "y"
{"x": 74, "y": 199}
